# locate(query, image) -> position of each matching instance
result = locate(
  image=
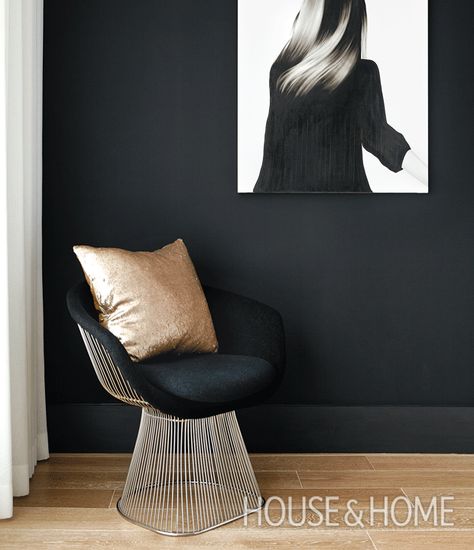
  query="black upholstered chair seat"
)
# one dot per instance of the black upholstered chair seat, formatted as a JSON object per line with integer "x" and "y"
{"x": 247, "y": 369}
{"x": 211, "y": 380}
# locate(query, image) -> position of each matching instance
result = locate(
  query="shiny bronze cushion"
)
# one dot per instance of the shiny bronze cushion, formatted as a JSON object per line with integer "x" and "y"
{"x": 152, "y": 302}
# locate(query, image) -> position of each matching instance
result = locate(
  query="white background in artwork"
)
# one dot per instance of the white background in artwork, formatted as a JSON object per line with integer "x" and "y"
{"x": 397, "y": 42}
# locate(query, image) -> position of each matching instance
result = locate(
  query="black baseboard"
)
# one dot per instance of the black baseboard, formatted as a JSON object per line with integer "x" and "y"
{"x": 85, "y": 427}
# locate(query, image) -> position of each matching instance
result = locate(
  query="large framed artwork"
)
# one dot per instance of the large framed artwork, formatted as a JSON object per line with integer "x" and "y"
{"x": 332, "y": 96}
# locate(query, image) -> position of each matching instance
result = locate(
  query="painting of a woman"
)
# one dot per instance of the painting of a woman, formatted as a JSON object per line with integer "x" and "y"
{"x": 326, "y": 105}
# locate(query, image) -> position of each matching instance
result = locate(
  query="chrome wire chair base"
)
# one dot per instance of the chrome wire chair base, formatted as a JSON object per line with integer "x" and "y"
{"x": 188, "y": 476}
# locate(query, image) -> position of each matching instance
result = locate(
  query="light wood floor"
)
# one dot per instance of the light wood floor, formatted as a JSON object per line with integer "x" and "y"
{"x": 72, "y": 504}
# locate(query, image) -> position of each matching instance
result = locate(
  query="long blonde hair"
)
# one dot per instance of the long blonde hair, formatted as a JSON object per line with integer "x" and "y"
{"x": 327, "y": 41}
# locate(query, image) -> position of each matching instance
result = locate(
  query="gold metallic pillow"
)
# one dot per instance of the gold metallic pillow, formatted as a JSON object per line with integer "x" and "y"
{"x": 152, "y": 302}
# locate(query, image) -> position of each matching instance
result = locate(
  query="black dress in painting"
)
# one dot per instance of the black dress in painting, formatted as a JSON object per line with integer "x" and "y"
{"x": 313, "y": 143}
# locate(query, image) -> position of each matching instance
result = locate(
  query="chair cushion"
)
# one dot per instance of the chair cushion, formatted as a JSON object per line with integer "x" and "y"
{"x": 211, "y": 378}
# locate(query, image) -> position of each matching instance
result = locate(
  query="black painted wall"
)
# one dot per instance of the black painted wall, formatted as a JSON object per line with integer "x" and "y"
{"x": 377, "y": 292}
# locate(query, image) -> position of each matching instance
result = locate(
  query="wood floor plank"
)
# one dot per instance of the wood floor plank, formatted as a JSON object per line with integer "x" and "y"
{"x": 422, "y": 462}
{"x": 301, "y": 497}
{"x": 234, "y": 539}
{"x": 461, "y": 519}
{"x": 421, "y": 540}
{"x": 402, "y": 517}
{"x": 309, "y": 462}
{"x": 115, "y": 498}
{"x": 66, "y": 498}
{"x": 463, "y": 497}
{"x": 387, "y": 478}
{"x": 86, "y": 462}
{"x": 91, "y": 519}
{"x": 278, "y": 480}
{"x": 109, "y": 519}
{"x": 78, "y": 480}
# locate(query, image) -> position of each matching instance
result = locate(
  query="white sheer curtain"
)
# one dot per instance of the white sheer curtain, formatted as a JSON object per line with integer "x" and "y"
{"x": 23, "y": 435}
